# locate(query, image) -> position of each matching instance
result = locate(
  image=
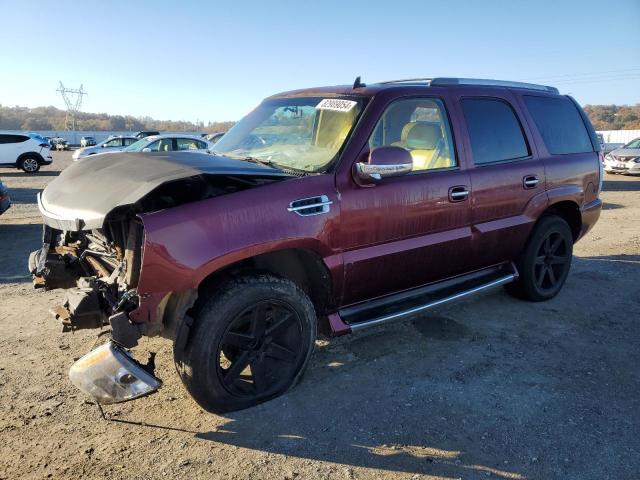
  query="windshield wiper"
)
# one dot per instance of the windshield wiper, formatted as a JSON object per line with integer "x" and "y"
{"x": 260, "y": 161}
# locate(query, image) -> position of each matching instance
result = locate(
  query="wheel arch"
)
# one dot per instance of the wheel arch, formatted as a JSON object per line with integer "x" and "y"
{"x": 29, "y": 154}
{"x": 304, "y": 267}
{"x": 569, "y": 211}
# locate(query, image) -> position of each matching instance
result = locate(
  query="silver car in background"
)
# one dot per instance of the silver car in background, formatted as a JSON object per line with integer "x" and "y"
{"x": 624, "y": 160}
{"x": 169, "y": 143}
{"x": 111, "y": 144}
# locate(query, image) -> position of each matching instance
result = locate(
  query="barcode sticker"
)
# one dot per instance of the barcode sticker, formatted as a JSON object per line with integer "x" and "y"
{"x": 336, "y": 104}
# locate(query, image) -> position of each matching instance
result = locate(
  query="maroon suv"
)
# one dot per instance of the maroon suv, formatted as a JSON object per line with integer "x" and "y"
{"x": 357, "y": 205}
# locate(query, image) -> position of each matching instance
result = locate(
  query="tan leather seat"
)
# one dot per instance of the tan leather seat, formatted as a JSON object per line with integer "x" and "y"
{"x": 333, "y": 128}
{"x": 424, "y": 141}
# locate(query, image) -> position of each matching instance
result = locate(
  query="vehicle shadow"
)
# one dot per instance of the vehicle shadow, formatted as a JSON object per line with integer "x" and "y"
{"x": 357, "y": 421}
{"x": 611, "y": 206}
{"x": 445, "y": 399}
{"x": 42, "y": 173}
{"x": 24, "y": 195}
{"x": 621, "y": 186}
{"x": 17, "y": 240}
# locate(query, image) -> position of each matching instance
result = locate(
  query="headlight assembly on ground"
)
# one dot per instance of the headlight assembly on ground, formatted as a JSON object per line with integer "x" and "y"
{"x": 110, "y": 375}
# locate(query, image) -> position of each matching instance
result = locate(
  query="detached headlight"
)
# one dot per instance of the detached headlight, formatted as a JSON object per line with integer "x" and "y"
{"x": 110, "y": 375}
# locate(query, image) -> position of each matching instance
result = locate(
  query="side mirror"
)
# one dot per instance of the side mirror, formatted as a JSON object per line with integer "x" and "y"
{"x": 146, "y": 149}
{"x": 383, "y": 162}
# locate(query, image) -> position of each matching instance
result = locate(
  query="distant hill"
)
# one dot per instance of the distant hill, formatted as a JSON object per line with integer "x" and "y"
{"x": 603, "y": 117}
{"x": 52, "y": 118}
{"x": 614, "y": 117}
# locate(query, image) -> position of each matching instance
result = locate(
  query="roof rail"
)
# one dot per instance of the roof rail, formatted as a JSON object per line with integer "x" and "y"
{"x": 409, "y": 80}
{"x": 445, "y": 81}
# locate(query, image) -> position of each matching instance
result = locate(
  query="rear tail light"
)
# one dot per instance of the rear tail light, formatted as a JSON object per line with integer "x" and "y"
{"x": 44, "y": 145}
{"x": 600, "y": 172}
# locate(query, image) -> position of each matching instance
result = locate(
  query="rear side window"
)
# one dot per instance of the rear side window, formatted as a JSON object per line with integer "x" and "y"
{"x": 494, "y": 131}
{"x": 560, "y": 124}
{"x": 13, "y": 138}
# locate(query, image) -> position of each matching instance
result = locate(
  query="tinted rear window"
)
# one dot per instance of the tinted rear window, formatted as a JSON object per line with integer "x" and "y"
{"x": 560, "y": 124}
{"x": 494, "y": 131}
{"x": 13, "y": 138}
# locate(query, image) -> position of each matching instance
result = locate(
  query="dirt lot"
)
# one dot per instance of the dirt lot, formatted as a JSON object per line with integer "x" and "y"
{"x": 491, "y": 387}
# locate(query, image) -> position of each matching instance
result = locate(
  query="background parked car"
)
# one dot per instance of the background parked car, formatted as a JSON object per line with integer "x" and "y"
{"x": 5, "y": 201}
{"x": 212, "y": 138}
{"x": 146, "y": 133}
{"x": 624, "y": 160}
{"x": 111, "y": 144}
{"x": 59, "y": 143}
{"x": 169, "y": 143}
{"x": 87, "y": 142}
{"x": 24, "y": 151}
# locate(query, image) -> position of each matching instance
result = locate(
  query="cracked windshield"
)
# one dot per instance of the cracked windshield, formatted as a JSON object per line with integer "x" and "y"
{"x": 298, "y": 133}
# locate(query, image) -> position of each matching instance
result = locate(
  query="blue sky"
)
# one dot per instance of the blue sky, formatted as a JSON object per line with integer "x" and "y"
{"x": 198, "y": 60}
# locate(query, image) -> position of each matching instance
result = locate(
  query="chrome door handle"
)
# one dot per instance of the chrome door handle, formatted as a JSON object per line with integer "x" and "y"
{"x": 458, "y": 193}
{"x": 530, "y": 181}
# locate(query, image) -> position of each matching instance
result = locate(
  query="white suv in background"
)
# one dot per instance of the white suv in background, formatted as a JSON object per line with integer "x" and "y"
{"x": 24, "y": 151}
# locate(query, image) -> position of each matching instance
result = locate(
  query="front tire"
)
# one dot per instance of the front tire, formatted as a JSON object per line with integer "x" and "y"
{"x": 29, "y": 164}
{"x": 545, "y": 262}
{"x": 249, "y": 343}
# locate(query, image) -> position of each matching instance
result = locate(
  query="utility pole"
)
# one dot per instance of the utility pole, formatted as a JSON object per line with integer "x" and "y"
{"x": 73, "y": 100}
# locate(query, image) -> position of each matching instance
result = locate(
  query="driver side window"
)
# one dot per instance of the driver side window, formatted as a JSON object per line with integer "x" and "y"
{"x": 420, "y": 126}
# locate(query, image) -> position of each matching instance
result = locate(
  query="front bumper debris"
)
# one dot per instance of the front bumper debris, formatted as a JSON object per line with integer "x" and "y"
{"x": 110, "y": 374}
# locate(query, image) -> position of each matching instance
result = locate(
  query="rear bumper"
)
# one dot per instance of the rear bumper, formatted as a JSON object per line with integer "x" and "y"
{"x": 590, "y": 215}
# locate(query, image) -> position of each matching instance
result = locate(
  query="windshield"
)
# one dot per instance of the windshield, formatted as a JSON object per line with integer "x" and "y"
{"x": 633, "y": 144}
{"x": 137, "y": 146}
{"x": 303, "y": 133}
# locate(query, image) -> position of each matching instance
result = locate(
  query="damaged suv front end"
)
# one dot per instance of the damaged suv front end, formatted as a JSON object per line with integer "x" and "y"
{"x": 93, "y": 246}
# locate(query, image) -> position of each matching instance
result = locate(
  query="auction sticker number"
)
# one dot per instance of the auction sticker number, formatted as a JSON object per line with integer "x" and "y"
{"x": 336, "y": 104}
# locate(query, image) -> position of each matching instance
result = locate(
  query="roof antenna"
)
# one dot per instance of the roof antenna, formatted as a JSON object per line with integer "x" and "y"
{"x": 358, "y": 83}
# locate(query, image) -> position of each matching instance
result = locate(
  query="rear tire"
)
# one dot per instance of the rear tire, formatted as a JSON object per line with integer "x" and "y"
{"x": 29, "y": 164}
{"x": 545, "y": 262}
{"x": 249, "y": 343}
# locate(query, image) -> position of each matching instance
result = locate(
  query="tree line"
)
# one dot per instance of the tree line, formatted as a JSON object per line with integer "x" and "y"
{"x": 603, "y": 117}
{"x": 52, "y": 118}
{"x": 614, "y": 117}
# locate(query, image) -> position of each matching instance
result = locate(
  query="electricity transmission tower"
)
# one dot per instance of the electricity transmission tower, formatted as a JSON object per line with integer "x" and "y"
{"x": 73, "y": 99}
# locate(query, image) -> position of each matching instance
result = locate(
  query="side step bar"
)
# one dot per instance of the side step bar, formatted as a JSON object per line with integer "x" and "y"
{"x": 398, "y": 306}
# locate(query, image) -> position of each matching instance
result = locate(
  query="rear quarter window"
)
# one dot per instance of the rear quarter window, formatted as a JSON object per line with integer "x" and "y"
{"x": 560, "y": 124}
{"x": 13, "y": 138}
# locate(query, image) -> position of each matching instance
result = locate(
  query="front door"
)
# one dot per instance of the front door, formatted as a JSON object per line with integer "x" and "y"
{"x": 409, "y": 230}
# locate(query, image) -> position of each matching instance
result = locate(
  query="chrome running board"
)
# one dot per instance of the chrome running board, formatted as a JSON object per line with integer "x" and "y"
{"x": 399, "y": 306}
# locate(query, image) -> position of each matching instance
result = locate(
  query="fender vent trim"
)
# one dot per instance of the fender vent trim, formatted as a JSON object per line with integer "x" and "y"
{"x": 306, "y": 207}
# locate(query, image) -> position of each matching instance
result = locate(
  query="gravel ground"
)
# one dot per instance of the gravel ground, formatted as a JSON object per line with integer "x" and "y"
{"x": 489, "y": 387}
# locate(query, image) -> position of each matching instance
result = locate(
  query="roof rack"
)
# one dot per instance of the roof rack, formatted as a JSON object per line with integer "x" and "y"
{"x": 449, "y": 81}
{"x": 444, "y": 81}
{"x": 410, "y": 80}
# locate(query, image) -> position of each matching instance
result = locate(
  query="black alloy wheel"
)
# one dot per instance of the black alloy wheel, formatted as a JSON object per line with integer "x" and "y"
{"x": 545, "y": 262}
{"x": 249, "y": 342}
{"x": 260, "y": 348}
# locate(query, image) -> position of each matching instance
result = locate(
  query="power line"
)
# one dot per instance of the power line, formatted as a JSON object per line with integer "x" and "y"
{"x": 584, "y": 74}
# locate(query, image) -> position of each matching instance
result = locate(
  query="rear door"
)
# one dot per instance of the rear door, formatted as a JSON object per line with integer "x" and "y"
{"x": 6, "y": 149}
{"x": 11, "y": 146}
{"x": 409, "y": 230}
{"x": 506, "y": 179}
